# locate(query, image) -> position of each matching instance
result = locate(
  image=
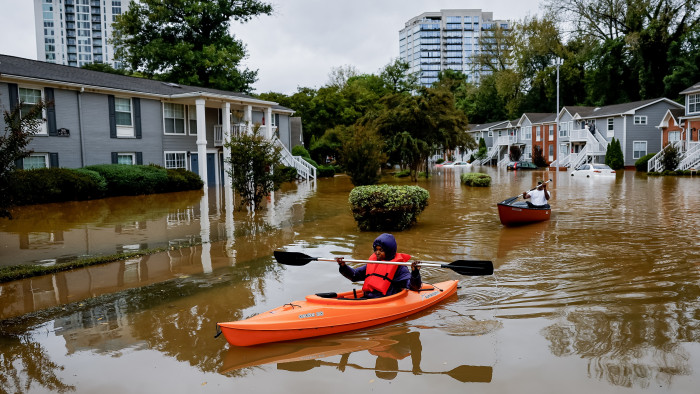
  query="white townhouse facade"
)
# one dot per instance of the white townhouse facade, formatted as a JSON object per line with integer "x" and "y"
{"x": 98, "y": 118}
{"x": 76, "y": 32}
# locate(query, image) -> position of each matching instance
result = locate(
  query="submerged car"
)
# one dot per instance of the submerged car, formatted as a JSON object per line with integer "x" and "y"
{"x": 588, "y": 170}
{"x": 521, "y": 165}
{"x": 456, "y": 164}
{"x": 444, "y": 164}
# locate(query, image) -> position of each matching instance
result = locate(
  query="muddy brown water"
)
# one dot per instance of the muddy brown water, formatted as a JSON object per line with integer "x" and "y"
{"x": 604, "y": 297}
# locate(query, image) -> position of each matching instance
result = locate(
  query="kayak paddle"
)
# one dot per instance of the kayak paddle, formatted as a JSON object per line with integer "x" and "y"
{"x": 463, "y": 267}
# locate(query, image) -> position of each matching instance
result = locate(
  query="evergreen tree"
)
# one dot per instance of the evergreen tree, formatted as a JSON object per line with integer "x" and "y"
{"x": 613, "y": 156}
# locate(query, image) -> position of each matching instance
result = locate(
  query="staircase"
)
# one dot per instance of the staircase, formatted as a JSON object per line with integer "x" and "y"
{"x": 492, "y": 152}
{"x": 654, "y": 164}
{"x": 304, "y": 169}
{"x": 691, "y": 158}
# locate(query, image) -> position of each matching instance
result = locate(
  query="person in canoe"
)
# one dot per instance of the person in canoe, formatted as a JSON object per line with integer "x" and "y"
{"x": 538, "y": 197}
{"x": 382, "y": 280}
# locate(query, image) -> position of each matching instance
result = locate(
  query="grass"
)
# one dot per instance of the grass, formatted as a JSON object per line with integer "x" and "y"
{"x": 17, "y": 272}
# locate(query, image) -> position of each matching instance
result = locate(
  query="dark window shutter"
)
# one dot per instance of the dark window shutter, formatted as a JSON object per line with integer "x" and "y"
{"x": 19, "y": 164}
{"x": 139, "y": 158}
{"x": 50, "y": 111}
{"x": 277, "y": 120}
{"x": 115, "y": 157}
{"x": 137, "y": 116}
{"x": 14, "y": 95}
{"x": 112, "y": 117}
{"x": 53, "y": 160}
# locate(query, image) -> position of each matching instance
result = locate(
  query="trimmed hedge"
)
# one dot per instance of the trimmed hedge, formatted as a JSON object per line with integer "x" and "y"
{"x": 132, "y": 180}
{"x": 642, "y": 164}
{"x": 325, "y": 171}
{"x": 46, "y": 185}
{"x": 387, "y": 208}
{"x": 477, "y": 179}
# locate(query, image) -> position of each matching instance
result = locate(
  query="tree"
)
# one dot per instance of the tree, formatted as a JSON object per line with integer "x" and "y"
{"x": 670, "y": 158}
{"x": 187, "y": 41}
{"x": 20, "y": 124}
{"x": 538, "y": 156}
{"x": 409, "y": 152}
{"x": 363, "y": 156}
{"x": 514, "y": 153}
{"x": 613, "y": 156}
{"x": 253, "y": 160}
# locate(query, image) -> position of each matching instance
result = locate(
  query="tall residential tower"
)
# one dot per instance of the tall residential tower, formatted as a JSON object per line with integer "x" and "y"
{"x": 436, "y": 41}
{"x": 75, "y": 32}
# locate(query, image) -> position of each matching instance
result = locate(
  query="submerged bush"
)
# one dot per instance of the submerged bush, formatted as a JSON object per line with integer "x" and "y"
{"x": 475, "y": 179}
{"x": 132, "y": 180}
{"x": 325, "y": 171}
{"x": 387, "y": 208}
{"x": 46, "y": 185}
{"x": 642, "y": 164}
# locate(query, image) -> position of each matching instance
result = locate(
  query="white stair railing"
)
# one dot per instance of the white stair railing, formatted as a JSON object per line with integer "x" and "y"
{"x": 304, "y": 169}
{"x": 691, "y": 158}
{"x": 654, "y": 164}
{"x": 579, "y": 158}
{"x": 493, "y": 151}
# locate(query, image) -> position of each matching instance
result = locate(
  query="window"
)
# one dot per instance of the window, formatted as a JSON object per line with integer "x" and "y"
{"x": 35, "y": 160}
{"x": 122, "y": 112}
{"x": 551, "y": 152}
{"x": 29, "y": 97}
{"x": 551, "y": 132}
{"x": 564, "y": 129}
{"x": 175, "y": 160}
{"x": 611, "y": 127}
{"x": 126, "y": 158}
{"x": 640, "y": 119}
{"x": 174, "y": 118}
{"x": 693, "y": 103}
{"x": 527, "y": 133}
{"x": 674, "y": 136}
{"x": 639, "y": 149}
{"x": 490, "y": 133}
{"x": 192, "y": 119}
{"x": 537, "y": 133}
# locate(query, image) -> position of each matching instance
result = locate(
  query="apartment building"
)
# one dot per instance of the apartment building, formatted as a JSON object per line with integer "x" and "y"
{"x": 448, "y": 40}
{"x": 76, "y": 32}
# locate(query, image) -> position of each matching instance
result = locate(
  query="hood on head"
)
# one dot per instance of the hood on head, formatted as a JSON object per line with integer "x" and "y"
{"x": 388, "y": 243}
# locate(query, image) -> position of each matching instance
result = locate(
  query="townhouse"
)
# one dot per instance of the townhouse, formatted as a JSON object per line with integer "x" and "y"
{"x": 96, "y": 118}
{"x": 680, "y": 128}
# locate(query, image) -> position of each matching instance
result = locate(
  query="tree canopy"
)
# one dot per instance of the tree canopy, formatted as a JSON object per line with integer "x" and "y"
{"x": 187, "y": 41}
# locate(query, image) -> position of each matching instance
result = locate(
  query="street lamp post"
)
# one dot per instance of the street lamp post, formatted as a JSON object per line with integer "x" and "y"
{"x": 558, "y": 61}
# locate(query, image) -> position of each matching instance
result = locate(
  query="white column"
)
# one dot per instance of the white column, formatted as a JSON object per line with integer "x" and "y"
{"x": 248, "y": 118}
{"x": 268, "y": 120}
{"x": 227, "y": 138}
{"x": 201, "y": 141}
{"x": 205, "y": 228}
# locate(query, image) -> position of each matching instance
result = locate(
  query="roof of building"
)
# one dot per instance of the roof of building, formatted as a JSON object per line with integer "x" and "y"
{"x": 485, "y": 126}
{"x": 69, "y": 75}
{"x": 538, "y": 117}
{"x": 693, "y": 89}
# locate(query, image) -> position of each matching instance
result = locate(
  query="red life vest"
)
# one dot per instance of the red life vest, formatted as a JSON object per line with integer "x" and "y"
{"x": 379, "y": 276}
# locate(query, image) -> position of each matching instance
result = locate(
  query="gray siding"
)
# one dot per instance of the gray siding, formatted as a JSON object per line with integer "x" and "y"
{"x": 284, "y": 130}
{"x": 648, "y": 132}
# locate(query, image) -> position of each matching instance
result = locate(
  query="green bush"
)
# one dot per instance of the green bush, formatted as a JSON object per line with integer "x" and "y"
{"x": 310, "y": 161}
{"x": 325, "y": 171}
{"x": 439, "y": 161}
{"x": 45, "y": 185}
{"x": 475, "y": 179}
{"x": 403, "y": 173}
{"x": 642, "y": 163}
{"x": 286, "y": 174}
{"x": 299, "y": 150}
{"x": 132, "y": 180}
{"x": 387, "y": 208}
{"x": 179, "y": 179}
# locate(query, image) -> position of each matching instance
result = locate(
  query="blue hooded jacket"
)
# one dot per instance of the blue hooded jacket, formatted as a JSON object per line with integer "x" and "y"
{"x": 403, "y": 278}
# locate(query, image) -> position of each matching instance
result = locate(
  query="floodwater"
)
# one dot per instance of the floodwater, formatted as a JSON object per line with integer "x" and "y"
{"x": 604, "y": 297}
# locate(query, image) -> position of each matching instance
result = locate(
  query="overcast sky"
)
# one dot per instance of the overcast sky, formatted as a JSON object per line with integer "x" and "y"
{"x": 304, "y": 39}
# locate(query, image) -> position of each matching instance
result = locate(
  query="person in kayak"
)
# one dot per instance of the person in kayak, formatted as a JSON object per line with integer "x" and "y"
{"x": 538, "y": 197}
{"x": 381, "y": 280}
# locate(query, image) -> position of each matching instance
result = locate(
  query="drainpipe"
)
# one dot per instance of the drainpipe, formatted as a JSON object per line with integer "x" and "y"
{"x": 80, "y": 126}
{"x": 201, "y": 141}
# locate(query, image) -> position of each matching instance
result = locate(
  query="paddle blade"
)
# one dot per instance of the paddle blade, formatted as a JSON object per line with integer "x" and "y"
{"x": 470, "y": 373}
{"x": 292, "y": 258}
{"x": 471, "y": 267}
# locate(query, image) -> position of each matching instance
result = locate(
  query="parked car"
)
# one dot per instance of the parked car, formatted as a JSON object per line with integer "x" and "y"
{"x": 444, "y": 163}
{"x": 521, "y": 165}
{"x": 456, "y": 164}
{"x": 588, "y": 170}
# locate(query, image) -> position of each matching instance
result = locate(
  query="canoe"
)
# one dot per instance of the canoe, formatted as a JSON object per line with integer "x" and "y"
{"x": 330, "y": 313}
{"x": 519, "y": 213}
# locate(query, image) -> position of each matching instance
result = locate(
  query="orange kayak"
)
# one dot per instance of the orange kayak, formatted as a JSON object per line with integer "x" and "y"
{"x": 325, "y": 314}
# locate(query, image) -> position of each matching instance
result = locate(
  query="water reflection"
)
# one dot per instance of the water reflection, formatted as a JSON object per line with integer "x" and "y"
{"x": 607, "y": 291}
